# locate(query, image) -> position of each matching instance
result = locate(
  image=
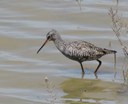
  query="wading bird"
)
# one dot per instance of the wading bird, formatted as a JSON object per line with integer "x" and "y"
{"x": 79, "y": 51}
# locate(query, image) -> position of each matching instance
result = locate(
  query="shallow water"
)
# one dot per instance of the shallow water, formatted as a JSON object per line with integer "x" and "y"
{"x": 23, "y": 26}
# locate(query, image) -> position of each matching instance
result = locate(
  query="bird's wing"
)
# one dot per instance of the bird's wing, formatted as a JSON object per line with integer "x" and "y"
{"x": 82, "y": 48}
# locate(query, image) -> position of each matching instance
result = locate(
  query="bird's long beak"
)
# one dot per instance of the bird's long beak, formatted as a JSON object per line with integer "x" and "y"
{"x": 42, "y": 45}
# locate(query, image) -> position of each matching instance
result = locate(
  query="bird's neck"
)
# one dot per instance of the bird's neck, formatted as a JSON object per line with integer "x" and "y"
{"x": 60, "y": 44}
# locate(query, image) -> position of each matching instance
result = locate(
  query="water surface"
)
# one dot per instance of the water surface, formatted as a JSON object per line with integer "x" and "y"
{"x": 23, "y": 26}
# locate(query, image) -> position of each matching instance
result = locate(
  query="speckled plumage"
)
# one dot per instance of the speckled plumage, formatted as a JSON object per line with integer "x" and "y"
{"x": 77, "y": 50}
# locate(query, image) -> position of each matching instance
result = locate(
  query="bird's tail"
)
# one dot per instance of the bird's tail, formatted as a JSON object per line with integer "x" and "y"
{"x": 106, "y": 51}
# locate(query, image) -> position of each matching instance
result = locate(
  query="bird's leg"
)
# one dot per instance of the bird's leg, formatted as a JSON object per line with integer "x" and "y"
{"x": 82, "y": 76}
{"x": 96, "y": 75}
{"x": 98, "y": 66}
{"x": 82, "y": 68}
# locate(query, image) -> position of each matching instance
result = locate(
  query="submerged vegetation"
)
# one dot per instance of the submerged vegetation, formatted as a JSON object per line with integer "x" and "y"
{"x": 86, "y": 89}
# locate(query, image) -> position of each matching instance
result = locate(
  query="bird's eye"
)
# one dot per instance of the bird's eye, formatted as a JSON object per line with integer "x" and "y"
{"x": 48, "y": 37}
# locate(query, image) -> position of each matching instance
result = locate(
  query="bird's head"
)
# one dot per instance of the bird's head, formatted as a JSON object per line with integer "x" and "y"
{"x": 51, "y": 36}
